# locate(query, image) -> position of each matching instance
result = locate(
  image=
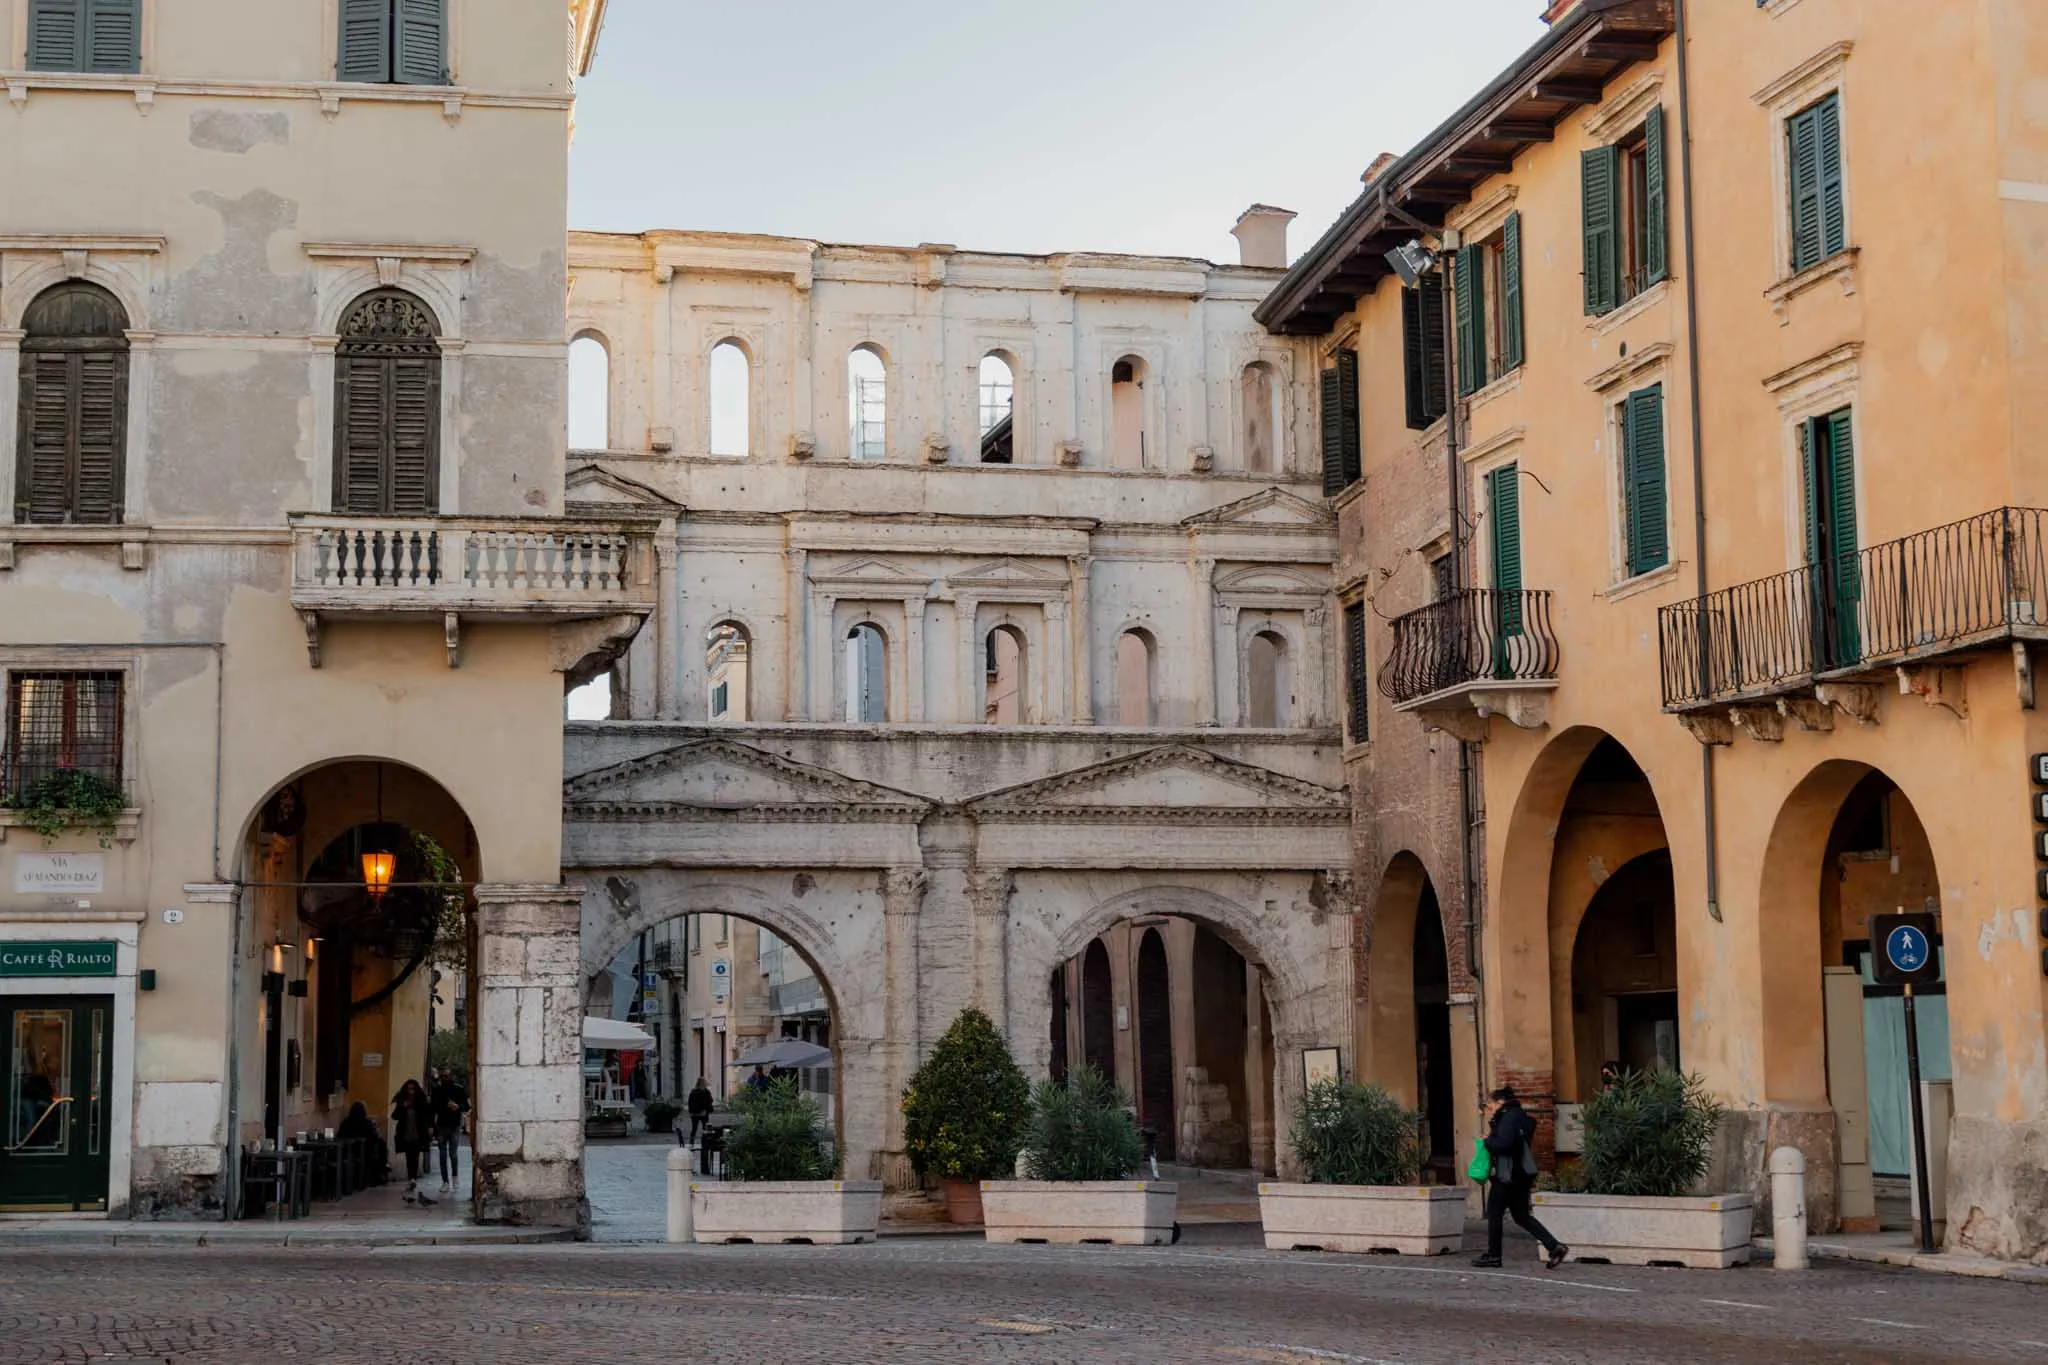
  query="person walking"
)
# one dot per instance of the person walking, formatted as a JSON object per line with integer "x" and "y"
{"x": 700, "y": 1108}
{"x": 451, "y": 1102}
{"x": 412, "y": 1132}
{"x": 759, "y": 1080}
{"x": 1509, "y": 1133}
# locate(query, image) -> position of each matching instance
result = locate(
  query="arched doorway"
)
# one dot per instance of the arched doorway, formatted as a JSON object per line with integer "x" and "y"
{"x": 1624, "y": 990}
{"x": 1408, "y": 1037}
{"x": 1155, "y": 1043}
{"x": 1430, "y": 971}
{"x": 1173, "y": 1012}
{"x": 1846, "y": 845}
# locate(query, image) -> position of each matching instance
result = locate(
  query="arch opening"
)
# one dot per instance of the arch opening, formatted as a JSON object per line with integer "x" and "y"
{"x": 867, "y": 393}
{"x": 731, "y": 388}
{"x": 387, "y": 407}
{"x": 1006, "y": 697}
{"x": 728, "y": 673}
{"x": 1134, "y": 702}
{"x": 590, "y": 393}
{"x": 72, "y": 429}
{"x": 1128, "y": 444}
{"x": 1268, "y": 687}
{"x": 997, "y": 379}
{"x": 867, "y": 675}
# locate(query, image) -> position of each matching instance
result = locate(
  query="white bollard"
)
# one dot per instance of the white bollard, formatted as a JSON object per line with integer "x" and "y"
{"x": 1788, "y": 1209}
{"x": 679, "y": 1195}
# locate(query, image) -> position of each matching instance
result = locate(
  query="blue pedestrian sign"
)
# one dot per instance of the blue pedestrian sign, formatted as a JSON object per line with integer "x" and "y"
{"x": 1905, "y": 950}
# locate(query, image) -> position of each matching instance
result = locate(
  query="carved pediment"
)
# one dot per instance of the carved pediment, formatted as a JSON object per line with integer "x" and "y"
{"x": 869, "y": 571}
{"x": 1267, "y": 509}
{"x": 712, "y": 777}
{"x": 595, "y": 487}
{"x": 1173, "y": 782}
{"x": 1270, "y": 580}
{"x": 1009, "y": 573}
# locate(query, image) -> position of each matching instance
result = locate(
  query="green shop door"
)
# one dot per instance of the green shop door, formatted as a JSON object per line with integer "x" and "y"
{"x": 54, "y": 1074}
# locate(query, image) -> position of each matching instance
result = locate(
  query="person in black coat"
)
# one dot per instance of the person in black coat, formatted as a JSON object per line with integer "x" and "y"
{"x": 700, "y": 1107}
{"x": 412, "y": 1132}
{"x": 450, "y": 1103}
{"x": 1509, "y": 1133}
{"x": 376, "y": 1156}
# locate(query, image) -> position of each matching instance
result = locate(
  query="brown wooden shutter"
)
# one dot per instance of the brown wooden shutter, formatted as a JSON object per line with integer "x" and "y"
{"x": 415, "y": 419}
{"x": 43, "y": 485}
{"x": 359, "y": 436}
{"x": 102, "y": 379}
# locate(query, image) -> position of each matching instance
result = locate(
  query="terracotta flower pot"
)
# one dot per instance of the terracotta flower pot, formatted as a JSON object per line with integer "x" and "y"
{"x": 963, "y": 1201}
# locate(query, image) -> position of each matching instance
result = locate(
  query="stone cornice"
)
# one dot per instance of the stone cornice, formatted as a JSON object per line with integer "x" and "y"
{"x": 1043, "y": 795}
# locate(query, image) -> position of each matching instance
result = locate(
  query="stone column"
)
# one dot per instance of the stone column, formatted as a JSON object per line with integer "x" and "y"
{"x": 1465, "y": 1088}
{"x": 1057, "y": 672}
{"x": 529, "y": 1056}
{"x": 967, "y": 656}
{"x": 666, "y": 608}
{"x": 902, "y": 895}
{"x": 1201, "y": 586}
{"x": 913, "y": 659}
{"x": 822, "y": 658}
{"x": 661, "y": 398}
{"x": 947, "y": 965}
{"x": 1229, "y": 695}
{"x": 1315, "y": 670}
{"x": 796, "y": 693}
{"x": 1258, "y": 1080}
{"x": 988, "y": 892}
{"x": 1081, "y": 639}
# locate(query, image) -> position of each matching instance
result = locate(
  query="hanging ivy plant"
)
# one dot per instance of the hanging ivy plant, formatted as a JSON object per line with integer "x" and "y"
{"x": 449, "y": 895}
{"x": 70, "y": 798}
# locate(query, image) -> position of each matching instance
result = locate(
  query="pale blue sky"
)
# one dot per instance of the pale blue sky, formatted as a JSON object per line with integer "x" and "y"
{"x": 1045, "y": 125}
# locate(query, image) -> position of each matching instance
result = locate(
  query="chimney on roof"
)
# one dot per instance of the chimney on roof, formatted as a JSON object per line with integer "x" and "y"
{"x": 1261, "y": 234}
{"x": 1379, "y": 163}
{"x": 1557, "y": 9}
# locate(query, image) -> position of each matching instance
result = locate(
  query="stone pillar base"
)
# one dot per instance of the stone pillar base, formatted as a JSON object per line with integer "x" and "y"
{"x": 529, "y": 1057}
{"x": 1740, "y": 1162}
{"x": 1998, "y": 1188}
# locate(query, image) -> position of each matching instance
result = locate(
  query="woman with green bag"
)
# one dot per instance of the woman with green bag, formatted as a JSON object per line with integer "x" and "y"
{"x": 1510, "y": 1174}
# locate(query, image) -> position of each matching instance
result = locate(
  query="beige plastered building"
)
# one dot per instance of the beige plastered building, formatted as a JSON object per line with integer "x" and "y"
{"x": 1724, "y": 589}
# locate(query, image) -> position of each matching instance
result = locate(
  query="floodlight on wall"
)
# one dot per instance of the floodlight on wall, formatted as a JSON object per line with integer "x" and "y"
{"x": 1411, "y": 261}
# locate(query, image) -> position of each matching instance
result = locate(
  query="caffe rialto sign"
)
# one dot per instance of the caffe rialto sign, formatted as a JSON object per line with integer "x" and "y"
{"x": 91, "y": 958}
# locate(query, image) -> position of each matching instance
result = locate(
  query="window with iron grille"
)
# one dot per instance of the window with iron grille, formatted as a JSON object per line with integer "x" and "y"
{"x": 62, "y": 720}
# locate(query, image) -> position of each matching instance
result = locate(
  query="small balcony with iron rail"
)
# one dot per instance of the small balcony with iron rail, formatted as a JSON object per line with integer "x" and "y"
{"x": 1472, "y": 655}
{"x": 591, "y": 581}
{"x": 1822, "y": 638}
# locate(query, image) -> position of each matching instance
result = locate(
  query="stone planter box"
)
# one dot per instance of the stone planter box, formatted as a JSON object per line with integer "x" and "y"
{"x": 1705, "y": 1232}
{"x": 825, "y": 1212}
{"x": 1123, "y": 1212}
{"x": 1412, "y": 1220}
{"x": 608, "y": 1128}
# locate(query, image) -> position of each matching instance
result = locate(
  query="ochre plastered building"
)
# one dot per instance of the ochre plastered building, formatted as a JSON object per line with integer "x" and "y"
{"x": 1727, "y": 587}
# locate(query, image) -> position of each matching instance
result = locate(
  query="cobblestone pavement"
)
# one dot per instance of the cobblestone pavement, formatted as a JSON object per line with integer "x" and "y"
{"x": 946, "y": 1300}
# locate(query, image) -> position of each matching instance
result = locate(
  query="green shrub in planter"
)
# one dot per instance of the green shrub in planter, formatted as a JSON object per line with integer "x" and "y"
{"x": 1648, "y": 1134}
{"x": 780, "y": 1135}
{"x": 1082, "y": 1130}
{"x": 964, "y": 1110}
{"x": 1348, "y": 1134}
{"x": 661, "y": 1115}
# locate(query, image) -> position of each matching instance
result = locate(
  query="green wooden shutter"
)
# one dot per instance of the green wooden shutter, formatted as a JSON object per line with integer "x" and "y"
{"x": 1802, "y": 160}
{"x": 1359, "y": 700}
{"x": 364, "y": 53}
{"x": 415, "y": 435}
{"x": 1847, "y": 576}
{"x": 113, "y": 35}
{"x": 1600, "y": 202}
{"x": 1504, "y": 519}
{"x": 1656, "y": 261}
{"x": 1511, "y": 294}
{"x": 1414, "y": 375}
{"x": 1348, "y": 435}
{"x": 1436, "y": 383}
{"x": 102, "y": 378}
{"x": 1649, "y": 544}
{"x": 1333, "y": 434}
{"x": 420, "y": 47}
{"x": 56, "y": 35}
{"x": 1811, "y": 441}
{"x": 1834, "y": 221}
{"x": 1470, "y": 305}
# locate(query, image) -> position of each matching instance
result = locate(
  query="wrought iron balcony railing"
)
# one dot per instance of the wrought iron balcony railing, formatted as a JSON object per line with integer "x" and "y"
{"x": 1475, "y": 635}
{"x": 1941, "y": 591}
{"x": 470, "y": 564}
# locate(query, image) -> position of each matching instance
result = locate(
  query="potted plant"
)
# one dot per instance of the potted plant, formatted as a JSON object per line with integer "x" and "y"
{"x": 660, "y": 1114}
{"x": 1646, "y": 1144}
{"x": 608, "y": 1121}
{"x": 1080, "y": 1148}
{"x": 779, "y": 1184}
{"x": 964, "y": 1113}
{"x": 70, "y": 798}
{"x": 1362, "y": 1152}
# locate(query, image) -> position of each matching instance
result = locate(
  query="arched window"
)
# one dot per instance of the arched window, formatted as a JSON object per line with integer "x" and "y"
{"x": 1259, "y": 397}
{"x": 998, "y": 410}
{"x": 727, "y": 670}
{"x": 73, "y": 427}
{"x": 1127, "y": 414}
{"x": 1134, "y": 678}
{"x": 387, "y": 407}
{"x": 867, "y": 395}
{"x": 1005, "y": 692}
{"x": 1268, "y": 695}
{"x": 731, "y": 399}
{"x": 867, "y": 674}
{"x": 594, "y": 699}
{"x": 590, "y": 394}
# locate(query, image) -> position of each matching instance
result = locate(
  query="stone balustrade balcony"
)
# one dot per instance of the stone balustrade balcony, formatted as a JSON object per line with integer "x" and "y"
{"x": 598, "y": 575}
